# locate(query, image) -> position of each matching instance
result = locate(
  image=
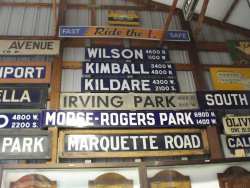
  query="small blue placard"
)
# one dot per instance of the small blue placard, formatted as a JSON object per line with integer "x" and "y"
{"x": 177, "y": 35}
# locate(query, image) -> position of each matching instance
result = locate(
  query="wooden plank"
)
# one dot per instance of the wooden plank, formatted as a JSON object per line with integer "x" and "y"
{"x": 201, "y": 19}
{"x": 168, "y": 21}
{"x": 230, "y": 10}
{"x": 54, "y": 18}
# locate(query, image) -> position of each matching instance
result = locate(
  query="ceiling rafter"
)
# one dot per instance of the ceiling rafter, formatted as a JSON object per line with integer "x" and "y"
{"x": 230, "y": 10}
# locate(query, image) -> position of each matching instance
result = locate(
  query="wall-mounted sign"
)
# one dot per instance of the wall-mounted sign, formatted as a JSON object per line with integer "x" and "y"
{"x": 236, "y": 124}
{"x": 239, "y": 51}
{"x": 159, "y": 85}
{"x": 128, "y": 101}
{"x": 19, "y": 120}
{"x": 28, "y": 144}
{"x": 119, "y": 69}
{"x": 188, "y": 8}
{"x": 112, "y": 32}
{"x": 101, "y": 53}
{"x": 178, "y": 35}
{"x": 223, "y": 99}
{"x": 25, "y": 72}
{"x": 230, "y": 78}
{"x": 123, "y": 19}
{"x": 238, "y": 142}
{"x": 132, "y": 143}
{"x": 128, "y": 119}
{"x": 23, "y": 95}
{"x": 29, "y": 47}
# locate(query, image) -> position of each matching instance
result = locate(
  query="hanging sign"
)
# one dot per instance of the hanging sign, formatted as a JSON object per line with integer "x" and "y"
{"x": 29, "y": 47}
{"x": 128, "y": 119}
{"x": 123, "y": 19}
{"x": 25, "y": 72}
{"x": 178, "y": 35}
{"x": 230, "y": 78}
{"x": 28, "y": 144}
{"x": 101, "y": 53}
{"x": 236, "y": 124}
{"x": 128, "y": 101}
{"x": 132, "y": 143}
{"x": 223, "y": 99}
{"x": 113, "y": 32}
{"x": 239, "y": 51}
{"x": 188, "y": 8}
{"x": 129, "y": 85}
{"x": 118, "y": 69}
{"x": 19, "y": 120}
{"x": 238, "y": 142}
{"x": 23, "y": 95}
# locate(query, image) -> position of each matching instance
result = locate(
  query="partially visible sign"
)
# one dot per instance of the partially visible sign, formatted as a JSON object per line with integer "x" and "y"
{"x": 19, "y": 120}
{"x": 178, "y": 35}
{"x": 119, "y": 69}
{"x": 25, "y": 72}
{"x": 223, "y": 99}
{"x": 128, "y": 119}
{"x": 28, "y": 144}
{"x": 230, "y": 78}
{"x": 112, "y": 32}
{"x": 128, "y": 101}
{"x": 129, "y": 85}
{"x": 23, "y": 95}
{"x": 236, "y": 124}
{"x": 29, "y": 47}
{"x": 123, "y": 19}
{"x": 239, "y": 51}
{"x": 188, "y": 8}
{"x": 238, "y": 142}
{"x": 101, "y": 53}
{"x": 132, "y": 143}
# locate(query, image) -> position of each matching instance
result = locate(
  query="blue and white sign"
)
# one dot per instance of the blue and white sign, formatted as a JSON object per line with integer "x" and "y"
{"x": 23, "y": 95}
{"x": 19, "y": 120}
{"x": 129, "y": 85}
{"x": 128, "y": 119}
{"x": 108, "y": 53}
{"x": 223, "y": 99}
{"x": 178, "y": 35}
{"x": 119, "y": 69}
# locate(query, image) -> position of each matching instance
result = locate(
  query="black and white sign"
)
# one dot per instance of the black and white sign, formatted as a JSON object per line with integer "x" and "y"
{"x": 29, "y": 47}
{"x": 28, "y": 144}
{"x": 128, "y": 101}
{"x": 119, "y": 69}
{"x": 132, "y": 143}
{"x": 19, "y": 120}
{"x": 236, "y": 125}
{"x": 126, "y": 54}
{"x": 223, "y": 99}
{"x": 238, "y": 142}
{"x": 23, "y": 95}
{"x": 188, "y": 8}
{"x": 128, "y": 119}
{"x": 129, "y": 85}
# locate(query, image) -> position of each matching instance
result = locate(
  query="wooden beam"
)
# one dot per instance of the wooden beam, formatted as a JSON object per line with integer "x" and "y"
{"x": 93, "y": 13}
{"x": 18, "y": 4}
{"x": 168, "y": 21}
{"x": 201, "y": 19}
{"x": 230, "y": 10}
{"x": 54, "y": 17}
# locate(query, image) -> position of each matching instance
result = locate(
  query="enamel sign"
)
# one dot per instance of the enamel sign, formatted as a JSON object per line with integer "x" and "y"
{"x": 28, "y": 144}
{"x": 115, "y": 18}
{"x": 223, "y": 99}
{"x": 128, "y": 119}
{"x": 19, "y": 120}
{"x": 188, "y": 8}
{"x": 23, "y": 95}
{"x": 128, "y": 101}
{"x": 101, "y": 53}
{"x": 132, "y": 143}
{"x": 25, "y": 72}
{"x": 129, "y": 85}
{"x": 238, "y": 142}
{"x": 236, "y": 125}
{"x": 29, "y": 47}
{"x": 118, "y": 69}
